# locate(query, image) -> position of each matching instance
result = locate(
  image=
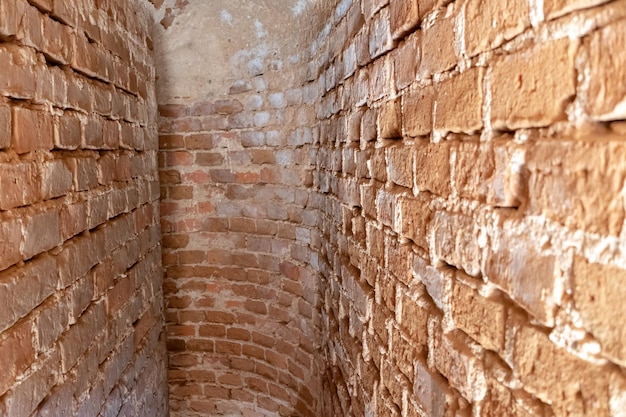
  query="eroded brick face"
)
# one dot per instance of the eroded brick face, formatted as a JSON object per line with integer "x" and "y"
{"x": 486, "y": 208}
{"x": 81, "y": 316}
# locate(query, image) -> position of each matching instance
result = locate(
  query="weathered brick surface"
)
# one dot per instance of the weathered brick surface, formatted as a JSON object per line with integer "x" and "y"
{"x": 605, "y": 99}
{"x": 240, "y": 228}
{"x": 404, "y": 17}
{"x": 588, "y": 172}
{"x": 488, "y": 24}
{"x": 597, "y": 286}
{"x": 523, "y": 96}
{"x": 58, "y": 261}
{"x": 417, "y": 111}
{"x": 489, "y": 228}
{"x": 459, "y": 103}
{"x": 440, "y": 32}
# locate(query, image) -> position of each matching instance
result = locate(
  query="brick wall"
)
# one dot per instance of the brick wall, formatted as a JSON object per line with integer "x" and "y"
{"x": 238, "y": 221}
{"x": 81, "y": 327}
{"x": 471, "y": 162}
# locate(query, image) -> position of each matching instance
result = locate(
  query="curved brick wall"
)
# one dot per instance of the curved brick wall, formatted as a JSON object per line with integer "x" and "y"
{"x": 81, "y": 304}
{"x": 237, "y": 220}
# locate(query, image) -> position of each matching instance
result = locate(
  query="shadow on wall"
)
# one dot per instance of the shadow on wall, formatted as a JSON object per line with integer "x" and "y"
{"x": 236, "y": 125}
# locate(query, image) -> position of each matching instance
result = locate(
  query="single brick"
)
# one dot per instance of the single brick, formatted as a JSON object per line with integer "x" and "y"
{"x": 412, "y": 318}
{"x": 11, "y": 13}
{"x": 606, "y": 99}
{"x": 587, "y": 173}
{"x": 509, "y": 181}
{"x": 473, "y": 172}
{"x": 455, "y": 360}
{"x": 555, "y": 8}
{"x": 5, "y": 126}
{"x": 10, "y": 240}
{"x": 43, "y": 5}
{"x": 489, "y": 23}
{"x": 525, "y": 93}
{"x": 432, "y": 158}
{"x": 438, "y": 281}
{"x": 431, "y": 390}
{"x": 56, "y": 179}
{"x": 414, "y": 215}
{"x": 19, "y": 185}
{"x": 453, "y": 239}
{"x": 528, "y": 277}
{"x": 65, "y": 11}
{"x": 390, "y": 120}
{"x": 32, "y": 129}
{"x": 386, "y": 206}
{"x": 17, "y": 352}
{"x": 370, "y": 7}
{"x": 362, "y": 46}
{"x": 417, "y": 111}
{"x": 441, "y": 33}
{"x": 381, "y": 78}
{"x": 18, "y": 77}
{"x": 482, "y": 318}
{"x": 400, "y": 166}
{"x": 58, "y": 41}
{"x": 404, "y": 16}
{"x": 41, "y": 233}
{"x": 569, "y": 383}
{"x": 459, "y": 102}
{"x": 406, "y": 59}
{"x": 598, "y": 292}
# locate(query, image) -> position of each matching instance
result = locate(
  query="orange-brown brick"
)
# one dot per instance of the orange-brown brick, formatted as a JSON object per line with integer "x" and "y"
{"x": 432, "y": 157}
{"x": 417, "y": 111}
{"x": 17, "y": 347}
{"x": 390, "y": 120}
{"x": 19, "y": 185}
{"x": 482, "y": 318}
{"x": 525, "y": 94}
{"x": 441, "y": 33}
{"x": 404, "y": 16}
{"x": 527, "y": 276}
{"x": 32, "y": 129}
{"x": 406, "y": 60}
{"x": 490, "y": 23}
{"x": 5, "y": 126}
{"x": 556, "y": 8}
{"x": 459, "y": 102}
{"x": 588, "y": 173}
{"x": 596, "y": 287}
{"x": 572, "y": 385}
{"x": 606, "y": 99}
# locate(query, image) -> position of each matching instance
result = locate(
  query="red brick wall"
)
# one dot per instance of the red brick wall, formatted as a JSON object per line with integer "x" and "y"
{"x": 238, "y": 221}
{"x": 81, "y": 328}
{"x": 471, "y": 165}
